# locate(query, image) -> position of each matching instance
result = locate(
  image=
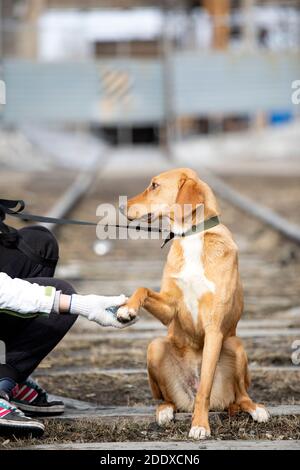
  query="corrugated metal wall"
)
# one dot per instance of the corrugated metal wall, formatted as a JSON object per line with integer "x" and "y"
{"x": 49, "y": 92}
{"x": 131, "y": 91}
{"x": 234, "y": 83}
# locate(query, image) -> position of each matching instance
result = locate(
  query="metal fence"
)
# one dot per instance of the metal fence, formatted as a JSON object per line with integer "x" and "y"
{"x": 131, "y": 91}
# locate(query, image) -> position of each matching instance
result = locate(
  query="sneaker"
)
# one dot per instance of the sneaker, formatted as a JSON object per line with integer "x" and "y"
{"x": 13, "y": 421}
{"x": 34, "y": 400}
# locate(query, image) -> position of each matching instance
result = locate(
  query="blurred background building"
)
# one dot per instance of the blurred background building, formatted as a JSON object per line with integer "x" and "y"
{"x": 149, "y": 71}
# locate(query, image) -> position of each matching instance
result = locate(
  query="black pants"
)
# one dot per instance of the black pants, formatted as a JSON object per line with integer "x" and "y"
{"x": 28, "y": 341}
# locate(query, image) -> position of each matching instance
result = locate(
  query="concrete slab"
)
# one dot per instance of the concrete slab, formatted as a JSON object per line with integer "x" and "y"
{"x": 264, "y": 332}
{"x": 136, "y": 371}
{"x": 146, "y": 324}
{"x": 142, "y": 334}
{"x": 154, "y": 325}
{"x": 145, "y": 413}
{"x": 174, "y": 445}
{"x": 72, "y": 404}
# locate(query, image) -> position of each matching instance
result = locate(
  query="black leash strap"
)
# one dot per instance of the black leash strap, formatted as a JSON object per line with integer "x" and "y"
{"x": 7, "y": 209}
{"x": 9, "y": 236}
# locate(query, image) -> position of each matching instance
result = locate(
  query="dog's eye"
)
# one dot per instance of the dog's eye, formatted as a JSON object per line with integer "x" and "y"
{"x": 154, "y": 185}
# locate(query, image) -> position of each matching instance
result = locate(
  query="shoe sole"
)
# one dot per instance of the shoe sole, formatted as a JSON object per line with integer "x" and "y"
{"x": 35, "y": 428}
{"x": 40, "y": 411}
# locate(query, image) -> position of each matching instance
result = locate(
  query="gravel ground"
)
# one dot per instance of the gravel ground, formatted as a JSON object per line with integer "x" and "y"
{"x": 16, "y": 148}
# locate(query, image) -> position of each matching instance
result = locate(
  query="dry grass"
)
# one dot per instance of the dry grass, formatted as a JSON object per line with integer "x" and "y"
{"x": 223, "y": 428}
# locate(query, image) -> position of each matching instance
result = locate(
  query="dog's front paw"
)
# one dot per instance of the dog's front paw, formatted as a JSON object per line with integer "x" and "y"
{"x": 126, "y": 314}
{"x": 199, "y": 433}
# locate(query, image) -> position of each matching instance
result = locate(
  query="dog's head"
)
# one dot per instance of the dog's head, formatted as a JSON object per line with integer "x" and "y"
{"x": 174, "y": 194}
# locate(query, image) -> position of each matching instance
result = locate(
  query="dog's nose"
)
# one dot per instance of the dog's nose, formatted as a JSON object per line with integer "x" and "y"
{"x": 122, "y": 209}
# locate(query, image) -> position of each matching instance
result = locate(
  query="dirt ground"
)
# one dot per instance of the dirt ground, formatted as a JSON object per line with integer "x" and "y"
{"x": 270, "y": 270}
{"x": 110, "y": 354}
{"x": 270, "y": 388}
{"x": 282, "y": 197}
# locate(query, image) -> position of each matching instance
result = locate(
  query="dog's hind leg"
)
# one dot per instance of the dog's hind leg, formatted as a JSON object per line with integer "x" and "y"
{"x": 165, "y": 412}
{"x": 165, "y": 380}
{"x": 243, "y": 401}
{"x": 156, "y": 392}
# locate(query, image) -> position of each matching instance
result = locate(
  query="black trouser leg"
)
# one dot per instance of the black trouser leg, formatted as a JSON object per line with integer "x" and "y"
{"x": 16, "y": 264}
{"x": 28, "y": 341}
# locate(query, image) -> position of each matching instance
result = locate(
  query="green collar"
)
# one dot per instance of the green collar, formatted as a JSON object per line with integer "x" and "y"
{"x": 209, "y": 223}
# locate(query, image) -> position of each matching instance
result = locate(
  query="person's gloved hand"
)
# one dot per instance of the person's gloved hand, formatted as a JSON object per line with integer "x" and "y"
{"x": 99, "y": 309}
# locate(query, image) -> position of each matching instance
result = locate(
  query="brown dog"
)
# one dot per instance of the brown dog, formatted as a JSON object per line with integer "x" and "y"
{"x": 201, "y": 364}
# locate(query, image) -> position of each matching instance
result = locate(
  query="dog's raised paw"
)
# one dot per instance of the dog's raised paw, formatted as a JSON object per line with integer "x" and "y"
{"x": 126, "y": 314}
{"x": 165, "y": 415}
{"x": 260, "y": 414}
{"x": 199, "y": 433}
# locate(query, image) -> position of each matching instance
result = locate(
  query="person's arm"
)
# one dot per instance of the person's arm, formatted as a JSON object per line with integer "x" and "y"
{"x": 21, "y": 298}
{"x": 64, "y": 303}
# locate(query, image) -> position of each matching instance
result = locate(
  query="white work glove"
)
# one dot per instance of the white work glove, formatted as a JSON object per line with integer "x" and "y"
{"x": 95, "y": 308}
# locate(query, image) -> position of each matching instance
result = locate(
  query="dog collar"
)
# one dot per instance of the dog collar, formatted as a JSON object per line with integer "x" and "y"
{"x": 206, "y": 225}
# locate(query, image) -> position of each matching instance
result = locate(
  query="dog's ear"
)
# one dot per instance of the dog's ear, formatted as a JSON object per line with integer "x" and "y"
{"x": 196, "y": 192}
{"x": 189, "y": 193}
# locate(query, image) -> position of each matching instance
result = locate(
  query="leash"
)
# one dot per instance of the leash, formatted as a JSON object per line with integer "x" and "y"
{"x": 14, "y": 208}
{"x": 7, "y": 206}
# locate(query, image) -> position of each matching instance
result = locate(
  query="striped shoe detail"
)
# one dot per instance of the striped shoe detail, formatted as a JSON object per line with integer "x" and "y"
{"x": 6, "y": 408}
{"x": 25, "y": 393}
{"x": 3, "y": 411}
{"x": 13, "y": 420}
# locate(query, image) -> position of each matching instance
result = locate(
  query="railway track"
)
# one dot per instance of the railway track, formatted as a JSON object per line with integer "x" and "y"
{"x": 283, "y": 226}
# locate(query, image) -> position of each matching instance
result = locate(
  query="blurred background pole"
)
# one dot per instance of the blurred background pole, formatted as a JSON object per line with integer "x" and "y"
{"x": 248, "y": 24}
{"x": 5, "y": 10}
{"x": 249, "y": 43}
{"x": 1, "y": 35}
{"x": 2, "y": 51}
{"x": 7, "y": 28}
{"x": 167, "y": 134}
{"x": 219, "y": 11}
{"x": 28, "y": 39}
{"x": 1, "y": 31}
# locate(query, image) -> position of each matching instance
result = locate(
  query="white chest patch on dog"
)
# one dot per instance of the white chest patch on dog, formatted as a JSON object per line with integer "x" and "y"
{"x": 191, "y": 279}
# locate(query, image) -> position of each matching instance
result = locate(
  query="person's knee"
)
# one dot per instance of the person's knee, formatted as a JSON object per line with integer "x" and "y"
{"x": 58, "y": 325}
{"x": 42, "y": 240}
